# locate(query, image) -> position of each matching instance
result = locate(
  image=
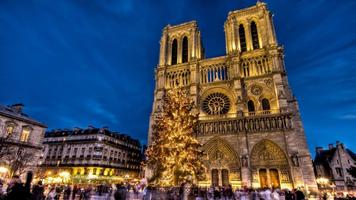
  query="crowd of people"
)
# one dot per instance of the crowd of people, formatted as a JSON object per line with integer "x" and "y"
{"x": 224, "y": 193}
{"x": 16, "y": 190}
{"x": 227, "y": 193}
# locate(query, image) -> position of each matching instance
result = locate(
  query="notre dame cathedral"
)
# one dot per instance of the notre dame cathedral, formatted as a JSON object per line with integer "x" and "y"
{"x": 249, "y": 122}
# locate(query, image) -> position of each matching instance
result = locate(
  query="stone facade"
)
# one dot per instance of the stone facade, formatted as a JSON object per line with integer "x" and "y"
{"x": 332, "y": 164}
{"x": 20, "y": 136}
{"x": 249, "y": 122}
{"x": 96, "y": 155}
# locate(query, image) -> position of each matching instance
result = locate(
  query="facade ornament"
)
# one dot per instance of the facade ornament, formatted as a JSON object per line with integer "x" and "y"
{"x": 295, "y": 160}
{"x": 244, "y": 161}
{"x": 256, "y": 90}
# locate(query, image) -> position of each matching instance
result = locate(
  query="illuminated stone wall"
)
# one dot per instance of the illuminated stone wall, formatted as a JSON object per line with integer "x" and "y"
{"x": 250, "y": 125}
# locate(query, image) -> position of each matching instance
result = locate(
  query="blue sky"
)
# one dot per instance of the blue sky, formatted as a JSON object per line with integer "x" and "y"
{"x": 75, "y": 63}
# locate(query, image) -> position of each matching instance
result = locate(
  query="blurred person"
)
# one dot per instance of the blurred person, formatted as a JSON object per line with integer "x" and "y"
{"x": 38, "y": 191}
{"x": 52, "y": 194}
{"x": 16, "y": 189}
{"x": 120, "y": 193}
{"x": 275, "y": 195}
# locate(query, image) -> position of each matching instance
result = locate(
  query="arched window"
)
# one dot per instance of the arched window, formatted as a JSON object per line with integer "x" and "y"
{"x": 185, "y": 50}
{"x": 251, "y": 106}
{"x": 265, "y": 104}
{"x": 242, "y": 38}
{"x": 174, "y": 51}
{"x": 254, "y": 34}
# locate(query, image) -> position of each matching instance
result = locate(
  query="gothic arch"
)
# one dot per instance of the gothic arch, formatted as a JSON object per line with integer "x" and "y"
{"x": 267, "y": 154}
{"x": 174, "y": 53}
{"x": 185, "y": 47}
{"x": 219, "y": 153}
{"x": 254, "y": 28}
{"x": 242, "y": 36}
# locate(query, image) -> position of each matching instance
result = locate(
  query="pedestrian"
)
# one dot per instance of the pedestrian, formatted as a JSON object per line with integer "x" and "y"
{"x": 66, "y": 193}
{"x": 147, "y": 193}
{"x": 52, "y": 194}
{"x": 16, "y": 190}
{"x": 38, "y": 191}
{"x": 120, "y": 193}
{"x": 2, "y": 192}
{"x": 299, "y": 195}
{"x": 275, "y": 195}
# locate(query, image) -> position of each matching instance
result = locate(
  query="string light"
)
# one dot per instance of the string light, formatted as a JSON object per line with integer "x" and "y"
{"x": 174, "y": 155}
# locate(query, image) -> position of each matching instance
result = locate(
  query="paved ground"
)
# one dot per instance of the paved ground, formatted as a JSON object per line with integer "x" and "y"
{"x": 130, "y": 196}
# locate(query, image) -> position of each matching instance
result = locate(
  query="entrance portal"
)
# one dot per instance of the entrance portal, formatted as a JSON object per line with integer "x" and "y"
{"x": 274, "y": 177}
{"x": 215, "y": 177}
{"x": 263, "y": 178}
{"x": 225, "y": 177}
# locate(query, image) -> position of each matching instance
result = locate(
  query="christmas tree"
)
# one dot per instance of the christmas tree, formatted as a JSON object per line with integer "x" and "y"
{"x": 174, "y": 155}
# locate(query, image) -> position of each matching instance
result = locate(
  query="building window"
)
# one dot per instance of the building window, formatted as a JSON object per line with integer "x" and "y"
{"x": 265, "y": 104}
{"x": 185, "y": 50}
{"x": 174, "y": 51}
{"x": 242, "y": 38}
{"x": 10, "y": 127}
{"x": 25, "y": 134}
{"x": 251, "y": 106}
{"x": 339, "y": 171}
{"x": 254, "y": 34}
{"x": 75, "y": 153}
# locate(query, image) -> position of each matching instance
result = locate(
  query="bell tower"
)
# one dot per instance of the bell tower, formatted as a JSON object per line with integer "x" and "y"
{"x": 180, "y": 44}
{"x": 249, "y": 120}
{"x": 249, "y": 29}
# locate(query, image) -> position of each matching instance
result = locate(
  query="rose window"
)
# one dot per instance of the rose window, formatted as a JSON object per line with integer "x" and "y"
{"x": 216, "y": 104}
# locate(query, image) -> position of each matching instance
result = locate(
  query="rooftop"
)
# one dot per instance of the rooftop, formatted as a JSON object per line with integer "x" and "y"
{"x": 15, "y": 112}
{"x": 90, "y": 131}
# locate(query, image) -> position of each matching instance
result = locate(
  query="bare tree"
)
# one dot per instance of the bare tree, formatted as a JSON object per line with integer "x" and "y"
{"x": 19, "y": 159}
{"x": 5, "y": 142}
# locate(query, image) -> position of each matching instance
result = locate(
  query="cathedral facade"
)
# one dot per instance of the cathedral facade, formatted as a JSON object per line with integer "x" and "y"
{"x": 249, "y": 121}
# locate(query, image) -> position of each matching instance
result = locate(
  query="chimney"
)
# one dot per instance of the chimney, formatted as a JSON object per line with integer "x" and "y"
{"x": 318, "y": 150}
{"x": 76, "y": 129}
{"x": 339, "y": 144}
{"x": 17, "y": 107}
{"x": 331, "y": 146}
{"x": 91, "y": 127}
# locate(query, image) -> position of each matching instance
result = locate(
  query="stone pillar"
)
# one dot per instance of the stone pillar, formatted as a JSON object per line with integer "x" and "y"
{"x": 246, "y": 177}
{"x": 163, "y": 49}
{"x": 248, "y": 36}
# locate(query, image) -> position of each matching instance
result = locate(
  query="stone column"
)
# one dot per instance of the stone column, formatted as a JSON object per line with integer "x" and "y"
{"x": 248, "y": 36}
{"x": 163, "y": 49}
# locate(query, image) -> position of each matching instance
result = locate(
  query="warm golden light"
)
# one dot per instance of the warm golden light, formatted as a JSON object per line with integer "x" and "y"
{"x": 322, "y": 180}
{"x": 3, "y": 170}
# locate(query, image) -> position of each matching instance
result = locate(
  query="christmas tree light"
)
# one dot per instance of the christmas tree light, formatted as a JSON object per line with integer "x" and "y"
{"x": 174, "y": 155}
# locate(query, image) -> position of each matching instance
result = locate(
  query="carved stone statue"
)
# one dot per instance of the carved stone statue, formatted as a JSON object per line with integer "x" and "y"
{"x": 244, "y": 161}
{"x": 295, "y": 160}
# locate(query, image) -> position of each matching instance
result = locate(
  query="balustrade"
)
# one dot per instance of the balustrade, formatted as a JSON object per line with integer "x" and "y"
{"x": 214, "y": 72}
{"x": 261, "y": 123}
{"x": 178, "y": 78}
{"x": 255, "y": 66}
